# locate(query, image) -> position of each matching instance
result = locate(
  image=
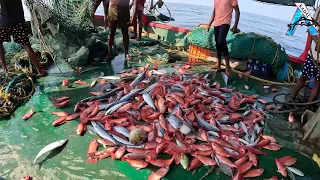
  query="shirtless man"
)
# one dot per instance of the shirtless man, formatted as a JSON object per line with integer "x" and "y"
{"x": 221, "y": 16}
{"x": 137, "y": 21}
{"x": 96, "y": 4}
{"x": 119, "y": 15}
{"x": 12, "y": 23}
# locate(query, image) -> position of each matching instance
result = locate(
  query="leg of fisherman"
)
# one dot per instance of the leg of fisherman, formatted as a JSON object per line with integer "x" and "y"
{"x": 112, "y": 33}
{"x": 12, "y": 22}
{"x": 139, "y": 17}
{"x": 2, "y": 57}
{"x": 106, "y": 10}
{"x": 134, "y": 23}
{"x": 95, "y": 6}
{"x": 219, "y": 53}
{"x": 222, "y": 15}
{"x": 222, "y": 39}
{"x": 315, "y": 90}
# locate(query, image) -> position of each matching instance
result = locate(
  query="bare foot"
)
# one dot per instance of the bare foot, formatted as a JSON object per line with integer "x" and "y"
{"x": 128, "y": 57}
{"x": 134, "y": 37}
{"x": 138, "y": 38}
{"x": 42, "y": 73}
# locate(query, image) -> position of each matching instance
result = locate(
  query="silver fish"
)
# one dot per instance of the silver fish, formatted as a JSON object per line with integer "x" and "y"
{"x": 184, "y": 129}
{"x": 184, "y": 160}
{"x": 246, "y": 113}
{"x": 203, "y": 92}
{"x": 175, "y": 122}
{"x": 149, "y": 88}
{"x": 266, "y": 87}
{"x": 247, "y": 138}
{"x": 142, "y": 104}
{"x": 101, "y": 132}
{"x": 236, "y": 125}
{"x": 49, "y": 148}
{"x": 254, "y": 143}
{"x": 133, "y": 112}
{"x": 94, "y": 83}
{"x": 243, "y": 127}
{"x": 177, "y": 89}
{"x": 179, "y": 143}
{"x": 217, "y": 160}
{"x": 91, "y": 130}
{"x": 226, "y": 169}
{"x": 232, "y": 151}
{"x": 225, "y": 78}
{"x": 161, "y": 131}
{"x": 122, "y": 130}
{"x": 291, "y": 175}
{"x": 140, "y": 77}
{"x": 111, "y": 77}
{"x": 129, "y": 95}
{"x": 295, "y": 171}
{"x": 148, "y": 99}
{"x": 243, "y": 141}
{"x": 212, "y": 135}
{"x": 204, "y": 124}
{"x": 105, "y": 106}
{"x": 115, "y": 108}
{"x": 157, "y": 72}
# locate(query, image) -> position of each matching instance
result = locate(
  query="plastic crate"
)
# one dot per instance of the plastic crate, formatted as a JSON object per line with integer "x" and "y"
{"x": 198, "y": 53}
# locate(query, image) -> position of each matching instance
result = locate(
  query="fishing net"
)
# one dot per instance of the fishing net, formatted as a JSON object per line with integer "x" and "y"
{"x": 11, "y": 48}
{"x": 247, "y": 46}
{"x": 64, "y": 29}
{"x": 16, "y": 88}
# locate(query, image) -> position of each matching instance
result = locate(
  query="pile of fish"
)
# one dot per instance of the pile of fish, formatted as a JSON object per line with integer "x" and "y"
{"x": 188, "y": 118}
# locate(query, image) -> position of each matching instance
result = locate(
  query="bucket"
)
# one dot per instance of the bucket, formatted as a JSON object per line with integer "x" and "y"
{"x": 196, "y": 53}
{"x": 260, "y": 69}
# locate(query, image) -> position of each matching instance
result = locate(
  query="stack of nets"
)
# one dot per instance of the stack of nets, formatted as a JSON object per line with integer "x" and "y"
{"x": 11, "y": 49}
{"x": 64, "y": 29}
{"x": 15, "y": 90}
{"x": 246, "y": 46}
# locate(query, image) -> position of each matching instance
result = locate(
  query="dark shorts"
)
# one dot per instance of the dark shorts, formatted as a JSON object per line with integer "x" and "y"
{"x": 19, "y": 33}
{"x": 119, "y": 16}
{"x": 310, "y": 70}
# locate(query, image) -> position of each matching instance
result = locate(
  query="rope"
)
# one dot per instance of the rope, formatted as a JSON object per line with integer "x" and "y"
{"x": 254, "y": 43}
{"x": 153, "y": 13}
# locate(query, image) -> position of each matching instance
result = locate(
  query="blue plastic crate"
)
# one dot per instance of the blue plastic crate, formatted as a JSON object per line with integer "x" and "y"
{"x": 260, "y": 69}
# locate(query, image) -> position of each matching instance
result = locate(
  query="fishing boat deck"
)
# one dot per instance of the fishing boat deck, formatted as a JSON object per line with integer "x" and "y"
{"x": 21, "y": 140}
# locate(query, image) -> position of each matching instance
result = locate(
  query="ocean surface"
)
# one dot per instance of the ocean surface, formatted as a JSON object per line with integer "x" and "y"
{"x": 190, "y": 16}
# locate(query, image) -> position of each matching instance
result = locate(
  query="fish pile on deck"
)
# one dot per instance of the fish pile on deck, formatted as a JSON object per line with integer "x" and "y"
{"x": 184, "y": 116}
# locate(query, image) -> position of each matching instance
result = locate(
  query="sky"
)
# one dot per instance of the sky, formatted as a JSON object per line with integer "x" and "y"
{"x": 275, "y": 11}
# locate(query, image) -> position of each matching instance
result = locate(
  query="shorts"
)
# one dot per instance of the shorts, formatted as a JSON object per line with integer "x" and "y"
{"x": 310, "y": 70}
{"x": 121, "y": 16}
{"x": 19, "y": 33}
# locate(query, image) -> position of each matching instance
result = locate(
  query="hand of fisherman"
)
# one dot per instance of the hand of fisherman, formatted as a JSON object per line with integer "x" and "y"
{"x": 208, "y": 28}
{"x": 235, "y": 30}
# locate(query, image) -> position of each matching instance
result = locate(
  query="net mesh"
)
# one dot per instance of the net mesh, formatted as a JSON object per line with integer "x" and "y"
{"x": 63, "y": 28}
{"x": 246, "y": 46}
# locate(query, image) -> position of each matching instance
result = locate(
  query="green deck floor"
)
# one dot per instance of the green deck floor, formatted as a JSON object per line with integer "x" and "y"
{"x": 20, "y": 141}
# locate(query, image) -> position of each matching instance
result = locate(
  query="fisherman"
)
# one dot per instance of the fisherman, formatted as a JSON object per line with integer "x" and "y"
{"x": 137, "y": 20}
{"x": 221, "y": 16}
{"x": 310, "y": 70}
{"x": 119, "y": 15}
{"x": 96, "y": 4}
{"x": 12, "y": 23}
{"x": 159, "y": 3}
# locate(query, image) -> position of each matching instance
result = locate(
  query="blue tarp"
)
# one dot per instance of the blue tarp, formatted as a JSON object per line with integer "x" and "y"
{"x": 289, "y": 2}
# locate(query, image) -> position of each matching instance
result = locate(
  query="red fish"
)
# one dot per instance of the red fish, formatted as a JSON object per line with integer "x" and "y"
{"x": 206, "y": 160}
{"x": 228, "y": 90}
{"x": 60, "y": 114}
{"x": 160, "y": 173}
{"x": 195, "y": 163}
{"x": 241, "y": 161}
{"x": 254, "y": 173}
{"x": 226, "y": 161}
{"x": 272, "y": 139}
{"x": 80, "y": 82}
{"x": 273, "y": 178}
{"x": 60, "y": 99}
{"x": 161, "y": 162}
{"x": 219, "y": 150}
{"x": 291, "y": 118}
{"x": 29, "y": 114}
{"x": 272, "y": 147}
{"x": 263, "y": 101}
{"x": 287, "y": 160}
{"x": 281, "y": 168}
{"x": 96, "y": 93}
{"x": 263, "y": 143}
{"x": 59, "y": 121}
{"x": 247, "y": 101}
{"x": 94, "y": 112}
{"x": 222, "y": 142}
{"x": 81, "y": 128}
{"x": 161, "y": 104}
{"x": 202, "y": 147}
{"x": 138, "y": 164}
{"x": 92, "y": 149}
{"x": 245, "y": 167}
{"x": 62, "y": 104}
{"x": 253, "y": 158}
{"x": 119, "y": 153}
{"x": 105, "y": 142}
{"x": 72, "y": 116}
{"x": 65, "y": 82}
{"x": 161, "y": 147}
{"x": 27, "y": 178}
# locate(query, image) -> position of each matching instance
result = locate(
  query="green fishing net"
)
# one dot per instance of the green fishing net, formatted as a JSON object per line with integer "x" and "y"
{"x": 246, "y": 46}
{"x": 11, "y": 49}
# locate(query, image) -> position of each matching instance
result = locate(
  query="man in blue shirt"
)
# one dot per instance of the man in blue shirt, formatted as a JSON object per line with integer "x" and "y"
{"x": 12, "y": 23}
